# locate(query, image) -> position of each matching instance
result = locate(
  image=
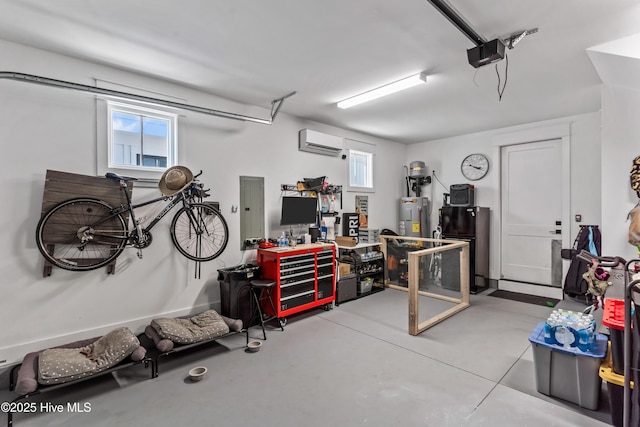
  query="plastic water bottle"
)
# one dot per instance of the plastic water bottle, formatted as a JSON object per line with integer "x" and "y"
{"x": 570, "y": 329}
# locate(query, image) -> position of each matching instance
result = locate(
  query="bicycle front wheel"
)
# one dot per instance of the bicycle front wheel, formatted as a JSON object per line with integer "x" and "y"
{"x": 199, "y": 232}
{"x": 81, "y": 234}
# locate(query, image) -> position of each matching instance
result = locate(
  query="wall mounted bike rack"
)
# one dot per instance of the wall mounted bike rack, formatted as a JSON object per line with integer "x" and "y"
{"x": 60, "y": 186}
{"x": 29, "y": 78}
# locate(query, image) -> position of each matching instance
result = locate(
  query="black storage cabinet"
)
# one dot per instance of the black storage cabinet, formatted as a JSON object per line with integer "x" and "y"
{"x": 347, "y": 288}
{"x": 235, "y": 291}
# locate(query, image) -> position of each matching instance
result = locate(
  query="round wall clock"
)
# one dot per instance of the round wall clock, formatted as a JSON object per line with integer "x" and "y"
{"x": 475, "y": 166}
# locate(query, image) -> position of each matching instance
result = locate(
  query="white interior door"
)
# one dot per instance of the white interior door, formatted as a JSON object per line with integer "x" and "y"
{"x": 531, "y": 211}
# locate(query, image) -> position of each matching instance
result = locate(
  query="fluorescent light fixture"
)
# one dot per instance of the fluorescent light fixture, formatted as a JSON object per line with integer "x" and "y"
{"x": 384, "y": 90}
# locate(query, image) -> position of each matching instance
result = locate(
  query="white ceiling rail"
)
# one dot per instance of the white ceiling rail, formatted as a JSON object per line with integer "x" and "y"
{"x": 28, "y": 78}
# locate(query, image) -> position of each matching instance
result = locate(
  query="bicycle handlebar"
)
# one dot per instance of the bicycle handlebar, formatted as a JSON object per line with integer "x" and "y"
{"x": 198, "y": 174}
{"x": 605, "y": 261}
{"x": 196, "y": 190}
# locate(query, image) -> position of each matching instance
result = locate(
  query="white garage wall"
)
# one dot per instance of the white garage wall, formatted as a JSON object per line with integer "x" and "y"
{"x": 620, "y": 145}
{"x": 49, "y": 128}
{"x": 618, "y": 64}
{"x": 445, "y": 155}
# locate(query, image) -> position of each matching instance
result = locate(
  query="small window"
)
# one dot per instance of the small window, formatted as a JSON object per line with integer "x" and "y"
{"x": 141, "y": 138}
{"x": 361, "y": 171}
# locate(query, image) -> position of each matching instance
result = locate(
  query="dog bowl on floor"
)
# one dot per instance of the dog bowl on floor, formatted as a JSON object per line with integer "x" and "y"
{"x": 254, "y": 346}
{"x": 198, "y": 373}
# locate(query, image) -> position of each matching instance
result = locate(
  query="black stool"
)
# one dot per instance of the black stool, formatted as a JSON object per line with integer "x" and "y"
{"x": 261, "y": 290}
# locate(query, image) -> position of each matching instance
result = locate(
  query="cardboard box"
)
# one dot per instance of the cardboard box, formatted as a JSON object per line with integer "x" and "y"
{"x": 344, "y": 269}
{"x": 346, "y": 241}
{"x": 362, "y": 209}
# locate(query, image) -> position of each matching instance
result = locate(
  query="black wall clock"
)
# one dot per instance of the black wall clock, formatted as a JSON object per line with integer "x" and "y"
{"x": 475, "y": 166}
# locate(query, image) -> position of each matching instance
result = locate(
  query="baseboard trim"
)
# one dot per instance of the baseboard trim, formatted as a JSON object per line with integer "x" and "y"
{"x": 530, "y": 289}
{"x": 12, "y": 355}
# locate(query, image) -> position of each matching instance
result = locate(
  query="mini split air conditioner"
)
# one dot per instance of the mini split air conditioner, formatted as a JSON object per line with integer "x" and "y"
{"x": 320, "y": 143}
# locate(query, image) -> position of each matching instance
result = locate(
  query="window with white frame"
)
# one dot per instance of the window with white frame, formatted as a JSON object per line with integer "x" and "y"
{"x": 141, "y": 138}
{"x": 360, "y": 171}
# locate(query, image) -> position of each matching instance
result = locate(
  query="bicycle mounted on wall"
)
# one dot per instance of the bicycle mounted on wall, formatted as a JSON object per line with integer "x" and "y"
{"x": 86, "y": 233}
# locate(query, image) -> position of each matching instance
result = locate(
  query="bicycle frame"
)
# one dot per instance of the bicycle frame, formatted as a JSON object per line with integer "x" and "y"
{"x": 130, "y": 207}
{"x": 157, "y": 218}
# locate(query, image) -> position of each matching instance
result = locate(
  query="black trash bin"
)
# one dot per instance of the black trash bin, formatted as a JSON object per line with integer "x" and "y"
{"x": 235, "y": 298}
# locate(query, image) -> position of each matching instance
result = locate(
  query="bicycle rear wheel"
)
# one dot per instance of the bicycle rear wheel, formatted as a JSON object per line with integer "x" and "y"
{"x": 199, "y": 232}
{"x": 81, "y": 234}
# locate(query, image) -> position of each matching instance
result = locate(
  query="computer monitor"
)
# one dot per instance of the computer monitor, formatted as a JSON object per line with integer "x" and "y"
{"x": 299, "y": 210}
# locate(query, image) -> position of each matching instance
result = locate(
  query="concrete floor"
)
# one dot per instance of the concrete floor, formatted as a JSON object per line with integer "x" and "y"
{"x": 353, "y": 365}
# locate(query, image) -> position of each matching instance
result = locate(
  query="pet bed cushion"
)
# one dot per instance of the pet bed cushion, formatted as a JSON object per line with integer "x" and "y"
{"x": 162, "y": 344}
{"x": 165, "y": 345}
{"x": 59, "y": 365}
{"x": 27, "y": 381}
{"x": 204, "y": 326}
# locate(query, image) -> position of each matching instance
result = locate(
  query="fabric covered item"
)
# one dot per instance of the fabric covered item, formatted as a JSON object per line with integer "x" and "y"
{"x": 234, "y": 325}
{"x": 634, "y": 175}
{"x": 27, "y": 381}
{"x": 597, "y": 278}
{"x": 634, "y": 226}
{"x": 59, "y": 365}
{"x": 207, "y": 319}
{"x": 138, "y": 354}
{"x": 574, "y": 284}
{"x": 162, "y": 344}
{"x": 204, "y": 326}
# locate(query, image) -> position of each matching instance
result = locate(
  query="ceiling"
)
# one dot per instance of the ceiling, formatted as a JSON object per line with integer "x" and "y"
{"x": 255, "y": 51}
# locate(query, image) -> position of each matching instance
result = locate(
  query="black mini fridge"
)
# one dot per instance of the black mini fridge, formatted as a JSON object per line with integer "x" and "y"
{"x": 471, "y": 224}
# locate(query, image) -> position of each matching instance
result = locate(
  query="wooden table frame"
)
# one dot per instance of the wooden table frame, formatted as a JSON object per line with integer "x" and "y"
{"x": 415, "y": 327}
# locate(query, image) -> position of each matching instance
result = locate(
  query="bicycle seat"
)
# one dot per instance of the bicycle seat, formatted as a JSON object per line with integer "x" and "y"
{"x": 118, "y": 178}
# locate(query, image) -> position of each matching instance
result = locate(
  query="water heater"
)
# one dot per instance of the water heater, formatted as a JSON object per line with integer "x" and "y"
{"x": 417, "y": 177}
{"x": 414, "y": 217}
{"x": 417, "y": 170}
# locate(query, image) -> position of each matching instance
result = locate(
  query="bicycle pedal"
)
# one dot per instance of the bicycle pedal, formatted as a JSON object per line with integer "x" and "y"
{"x": 140, "y": 254}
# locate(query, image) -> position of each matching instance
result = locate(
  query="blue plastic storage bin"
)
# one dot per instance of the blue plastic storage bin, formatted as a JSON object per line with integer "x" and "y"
{"x": 568, "y": 372}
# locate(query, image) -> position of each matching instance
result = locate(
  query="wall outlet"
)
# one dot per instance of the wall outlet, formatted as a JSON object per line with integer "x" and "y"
{"x": 251, "y": 243}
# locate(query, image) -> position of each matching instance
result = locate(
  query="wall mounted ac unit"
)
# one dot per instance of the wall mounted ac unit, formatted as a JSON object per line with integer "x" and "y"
{"x": 320, "y": 143}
